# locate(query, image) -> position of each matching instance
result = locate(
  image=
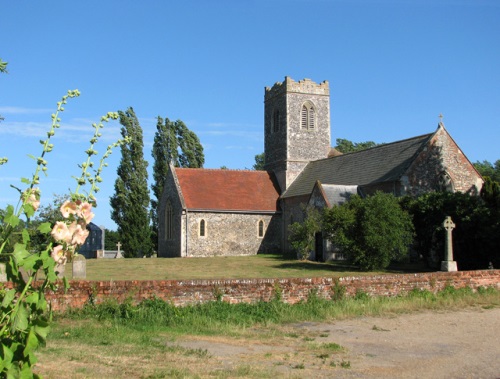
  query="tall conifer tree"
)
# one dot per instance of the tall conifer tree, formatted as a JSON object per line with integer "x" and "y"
{"x": 131, "y": 199}
{"x": 173, "y": 144}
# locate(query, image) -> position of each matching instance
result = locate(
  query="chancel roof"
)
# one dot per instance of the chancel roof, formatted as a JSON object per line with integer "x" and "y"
{"x": 228, "y": 190}
{"x": 378, "y": 164}
{"x": 336, "y": 194}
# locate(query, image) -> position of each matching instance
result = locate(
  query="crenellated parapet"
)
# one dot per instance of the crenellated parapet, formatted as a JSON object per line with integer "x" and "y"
{"x": 302, "y": 86}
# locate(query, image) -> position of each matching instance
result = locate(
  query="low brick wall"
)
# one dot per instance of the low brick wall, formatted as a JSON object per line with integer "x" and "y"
{"x": 184, "y": 292}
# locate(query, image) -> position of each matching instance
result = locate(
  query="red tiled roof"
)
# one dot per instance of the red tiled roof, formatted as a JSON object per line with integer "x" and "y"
{"x": 227, "y": 190}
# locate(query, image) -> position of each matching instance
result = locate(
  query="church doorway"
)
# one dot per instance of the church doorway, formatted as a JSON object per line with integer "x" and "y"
{"x": 318, "y": 247}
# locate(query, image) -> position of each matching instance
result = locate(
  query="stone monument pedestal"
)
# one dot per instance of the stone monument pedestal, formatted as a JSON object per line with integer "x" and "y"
{"x": 449, "y": 266}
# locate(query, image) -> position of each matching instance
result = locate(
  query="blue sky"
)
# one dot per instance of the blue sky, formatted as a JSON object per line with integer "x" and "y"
{"x": 393, "y": 67}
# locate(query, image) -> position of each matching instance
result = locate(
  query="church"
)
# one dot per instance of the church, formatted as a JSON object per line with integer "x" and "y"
{"x": 218, "y": 212}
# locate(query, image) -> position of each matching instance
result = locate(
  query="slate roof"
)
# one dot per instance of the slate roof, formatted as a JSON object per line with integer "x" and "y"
{"x": 338, "y": 194}
{"x": 383, "y": 163}
{"x": 228, "y": 190}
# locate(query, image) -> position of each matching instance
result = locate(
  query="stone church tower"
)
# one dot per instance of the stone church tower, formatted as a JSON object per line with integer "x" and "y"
{"x": 296, "y": 127}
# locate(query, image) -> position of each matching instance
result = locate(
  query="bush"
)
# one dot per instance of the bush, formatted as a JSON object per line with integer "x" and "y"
{"x": 371, "y": 231}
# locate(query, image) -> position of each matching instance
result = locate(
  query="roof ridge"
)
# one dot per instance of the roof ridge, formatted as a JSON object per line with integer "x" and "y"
{"x": 384, "y": 144}
{"x": 219, "y": 169}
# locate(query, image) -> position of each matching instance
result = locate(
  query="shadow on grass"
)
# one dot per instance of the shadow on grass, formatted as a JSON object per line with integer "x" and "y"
{"x": 342, "y": 266}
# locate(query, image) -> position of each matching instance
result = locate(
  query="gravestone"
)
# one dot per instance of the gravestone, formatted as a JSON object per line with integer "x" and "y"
{"x": 448, "y": 264}
{"x": 119, "y": 253}
{"x": 79, "y": 267}
{"x": 3, "y": 273}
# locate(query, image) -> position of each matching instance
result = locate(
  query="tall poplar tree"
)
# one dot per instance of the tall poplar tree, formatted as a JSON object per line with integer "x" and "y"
{"x": 173, "y": 144}
{"x": 131, "y": 199}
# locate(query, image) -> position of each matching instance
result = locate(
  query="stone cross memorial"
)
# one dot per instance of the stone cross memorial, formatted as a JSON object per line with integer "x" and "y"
{"x": 119, "y": 253}
{"x": 79, "y": 267}
{"x": 449, "y": 264}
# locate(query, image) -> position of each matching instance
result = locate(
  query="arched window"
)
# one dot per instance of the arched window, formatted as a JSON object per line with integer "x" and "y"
{"x": 446, "y": 183}
{"x": 276, "y": 121}
{"x": 202, "y": 228}
{"x": 169, "y": 217}
{"x": 261, "y": 228}
{"x": 308, "y": 117}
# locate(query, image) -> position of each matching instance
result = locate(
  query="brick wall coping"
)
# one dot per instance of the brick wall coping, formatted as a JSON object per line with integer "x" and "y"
{"x": 292, "y": 290}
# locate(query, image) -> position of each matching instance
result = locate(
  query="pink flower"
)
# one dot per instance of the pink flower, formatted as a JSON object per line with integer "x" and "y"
{"x": 33, "y": 198}
{"x": 86, "y": 212}
{"x": 58, "y": 254}
{"x": 79, "y": 236}
{"x": 68, "y": 208}
{"x": 35, "y": 203}
{"x": 60, "y": 232}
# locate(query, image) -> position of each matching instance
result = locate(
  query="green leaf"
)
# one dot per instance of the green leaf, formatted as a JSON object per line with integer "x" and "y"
{"x": 7, "y": 355}
{"x": 41, "y": 329}
{"x": 32, "y": 298}
{"x": 44, "y": 228}
{"x": 31, "y": 343}
{"x": 30, "y": 262}
{"x": 7, "y": 299}
{"x": 20, "y": 319}
{"x": 20, "y": 253}
{"x": 14, "y": 372}
{"x": 26, "y": 236}
{"x": 25, "y": 181}
{"x": 28, "y": 210}
{"x": 26, "y": 372}
{"x": 10, "y": 217}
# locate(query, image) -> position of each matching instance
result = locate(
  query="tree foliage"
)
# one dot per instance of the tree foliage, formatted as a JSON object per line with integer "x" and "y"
{"x": 303, "y": 234}
{"x": 173, "y": 144}
{"x": 130, "y": 203}
{"x": 371, "y": 231}
{"x": 486, "y": 168}
{"x": 476, "y": 235}
{"x": 346, "y": 146}
{"x": 260, "y": 161}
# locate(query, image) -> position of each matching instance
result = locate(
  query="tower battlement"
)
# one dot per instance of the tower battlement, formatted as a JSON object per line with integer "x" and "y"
{"x": 306, "y": 86}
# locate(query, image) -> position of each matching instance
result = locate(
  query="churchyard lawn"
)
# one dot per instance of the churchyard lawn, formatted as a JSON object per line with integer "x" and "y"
{"x": 249, "y": 267}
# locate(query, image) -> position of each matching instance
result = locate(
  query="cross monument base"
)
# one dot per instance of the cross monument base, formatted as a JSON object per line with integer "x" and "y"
{"x": 449, "y": 266}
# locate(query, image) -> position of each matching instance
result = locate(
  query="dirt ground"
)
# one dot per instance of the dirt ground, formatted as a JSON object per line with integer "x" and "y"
{"x": 451, "y": 344}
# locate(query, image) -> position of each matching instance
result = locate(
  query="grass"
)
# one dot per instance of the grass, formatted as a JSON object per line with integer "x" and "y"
{"x": 114, "y": 340}
{"x": 248, "y": 267}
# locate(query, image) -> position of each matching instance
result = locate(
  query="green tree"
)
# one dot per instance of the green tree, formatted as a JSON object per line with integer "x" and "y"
{"x": 260, "y": 161}
{"x": 346, "y": 146}
{"x": 371, "y": 231}
{"x": 303, "y": 234}
{"x": 486, "y": 168}
{"x": 476, "y": 237}
{"x": 111, "y": 239}
{"x": 130, "y": 202}
{"x": 173, "y": 144}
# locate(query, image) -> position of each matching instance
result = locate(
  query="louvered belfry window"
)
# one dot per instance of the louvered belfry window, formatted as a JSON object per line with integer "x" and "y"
{"x": 308, "y": 117}
{"x": 276, "y": 121}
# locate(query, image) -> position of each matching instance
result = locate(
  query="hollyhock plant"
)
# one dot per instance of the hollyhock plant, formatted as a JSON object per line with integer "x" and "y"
{"x": 60, "y": 232}
{"x": 24, "y": 312}
{"x": 58, "y": 254}
{"x": 68, "y": 208}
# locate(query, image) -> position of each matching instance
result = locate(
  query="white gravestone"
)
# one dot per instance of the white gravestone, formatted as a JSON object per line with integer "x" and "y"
{"x": 79, "y": 267}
